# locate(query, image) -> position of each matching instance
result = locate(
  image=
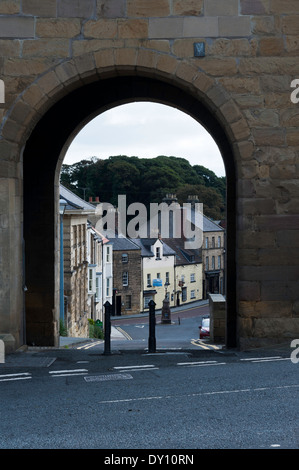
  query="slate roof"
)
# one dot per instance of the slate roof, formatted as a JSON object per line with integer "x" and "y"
{"x": 74, "y": 201}
{"x": 182, "y": 255}
{"x": 146, "y": 244}
{"x": 122, "y": 243}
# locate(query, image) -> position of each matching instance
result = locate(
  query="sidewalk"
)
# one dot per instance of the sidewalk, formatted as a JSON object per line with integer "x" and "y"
{"x": 65, "y": 341}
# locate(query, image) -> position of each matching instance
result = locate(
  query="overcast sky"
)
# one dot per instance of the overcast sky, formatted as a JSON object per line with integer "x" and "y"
{"x": 146, "y": 130}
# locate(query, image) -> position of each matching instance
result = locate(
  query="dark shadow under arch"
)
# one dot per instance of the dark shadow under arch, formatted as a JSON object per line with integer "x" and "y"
{"x": 42, "y": 165}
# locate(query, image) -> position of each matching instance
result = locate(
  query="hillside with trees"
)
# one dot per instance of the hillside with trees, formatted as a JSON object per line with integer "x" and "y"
{"x": 146, "y": 180}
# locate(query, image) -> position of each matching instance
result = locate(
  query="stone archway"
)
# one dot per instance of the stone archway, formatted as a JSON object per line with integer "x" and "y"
{"x": 88, "y": 95}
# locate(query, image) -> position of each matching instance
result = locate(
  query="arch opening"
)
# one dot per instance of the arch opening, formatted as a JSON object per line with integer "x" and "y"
{"x": 43, "y": 157}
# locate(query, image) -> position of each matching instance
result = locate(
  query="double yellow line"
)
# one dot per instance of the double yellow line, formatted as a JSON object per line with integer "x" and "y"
{"x": 124, "y": 333}
{"x": 197, "y": 342}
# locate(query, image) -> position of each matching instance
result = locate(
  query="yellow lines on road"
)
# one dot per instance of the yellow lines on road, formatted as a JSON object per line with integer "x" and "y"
{"x": 203, "y": 345}
{"x": 124, "y": 333}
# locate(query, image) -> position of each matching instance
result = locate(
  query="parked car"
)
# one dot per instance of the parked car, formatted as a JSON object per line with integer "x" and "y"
{"x": 204, "y": 328}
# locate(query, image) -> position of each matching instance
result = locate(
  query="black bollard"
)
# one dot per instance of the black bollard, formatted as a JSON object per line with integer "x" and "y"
{"x": 107, "y": 328}
{"x": 152, "y": 327}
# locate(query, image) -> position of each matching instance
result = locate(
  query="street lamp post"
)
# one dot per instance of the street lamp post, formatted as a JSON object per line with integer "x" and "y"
{"x": 62, "y": 206}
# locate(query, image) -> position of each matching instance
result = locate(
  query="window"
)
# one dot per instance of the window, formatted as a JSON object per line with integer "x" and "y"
{"x": 158, "y": 275}
{"x": 91, "y": 280}
{"x": 213, "y": 262}
{"x": 184, "y": 294}
{"x": 128, "y": 302}
{"x": 158, "y": 252}
{"x": 124, "y": 257}
{"x": 108, "y": 257}
{"x": 213, "y": 242}
{"x": 125, "y": 278}
{"x": 167, "y": 278}
{"x": 207, "y": 263}
{"x": 146, "y": 300}
{"x": 219, "y": 262}
{"x": 219, "y": 242}
{"x": 107, "y": 287}
{"x": 192, "y": 277}
{"x": 148, "y": 280}
{"x": 192, "y": 294}
{"x": 98, "y": 287}
{"x": 207, "y": 242}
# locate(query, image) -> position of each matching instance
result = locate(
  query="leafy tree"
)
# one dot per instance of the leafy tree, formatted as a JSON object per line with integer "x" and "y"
{"x": 146, "y": 180}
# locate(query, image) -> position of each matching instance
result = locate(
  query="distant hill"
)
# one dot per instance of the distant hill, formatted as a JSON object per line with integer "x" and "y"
{"x": 146, "y": 180}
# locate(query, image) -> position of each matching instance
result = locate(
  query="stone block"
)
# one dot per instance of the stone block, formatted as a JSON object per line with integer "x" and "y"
{"x": 269, "y": 137}
{"x": 240, "y": 129}
{"x": 232, "y": 26}
{"x": 125, "y": 57}
{"x": 10, "y": 48}
{"x": 219, "y": 67}
{"x": 103, "y": 28}
{"x": 187, "y": 7}
{"x": 167, "y": 64}
{"x": 57, "y": 28}
{"x": 284, "y": 8}
{"x": 104, "y": 58}
{"x": 28, "y": 67}
{"x": 230, "y": 111}
{"x": 147, "y": 59}
{"x": 75, "y": 8}
{"x": 271, "y": 46}
{"x": 165, "y": 28}
{"x": 254, "y": 7}
{"x": 200, "y": 27}
{"x": 260, "y": 117}
{"x": 80, "y": 46}
{"x": 144, "y": 8}
{"x": 16, "y": 27}
{"x": 46, "y": 48}
{"x": 217, "y": 307}
{"x": 10, "y": 7}
{"x": 111, "y": 8}
{"x": 232, "y": 47}
{"x": 242, "y": 85}
{"x": 50, "y": 83}
{"x": 221, "y": 8}
{"x": 132, "y": 28}
{"x": 262, "y": 25}
{"x": 290, "y": 24}
{"x": 46, "y": 8}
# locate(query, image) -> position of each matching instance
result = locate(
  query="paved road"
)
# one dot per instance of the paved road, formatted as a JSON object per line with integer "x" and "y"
{"x": 181, "y": 333}
{"x": 197, "y": 399}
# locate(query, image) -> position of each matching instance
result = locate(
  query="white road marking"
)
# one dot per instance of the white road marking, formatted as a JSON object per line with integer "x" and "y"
{"x": 90, "y": 345}
{"x": 20, "y": 376}
{"x": 193, "y": 363}
{"x": 68, "y": 373}
{"x": 220, "y": 392}
{"x": 140, "y": 368}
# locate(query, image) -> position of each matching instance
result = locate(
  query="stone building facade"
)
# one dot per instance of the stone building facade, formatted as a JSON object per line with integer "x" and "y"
{"x": 126, "y": 277}
{"x": 230, "y": 65}
{"x": 213, "y": 252}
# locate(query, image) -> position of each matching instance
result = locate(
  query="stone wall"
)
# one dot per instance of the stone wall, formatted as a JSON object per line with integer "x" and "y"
{"x": 51, "y": 48}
